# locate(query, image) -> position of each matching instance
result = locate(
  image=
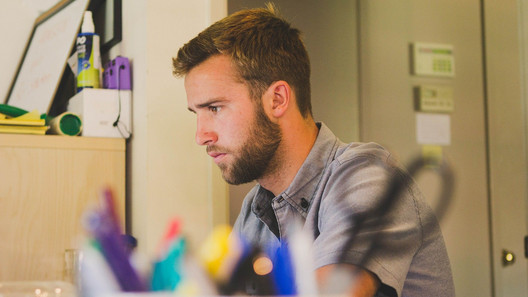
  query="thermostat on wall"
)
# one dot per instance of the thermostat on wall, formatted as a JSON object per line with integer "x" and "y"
{"x": 433, "y": 59}
{"x": 429, "y": 98}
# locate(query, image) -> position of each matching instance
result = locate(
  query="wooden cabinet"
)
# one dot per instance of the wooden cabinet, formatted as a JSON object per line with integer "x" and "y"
{"x": 46, "y": 184}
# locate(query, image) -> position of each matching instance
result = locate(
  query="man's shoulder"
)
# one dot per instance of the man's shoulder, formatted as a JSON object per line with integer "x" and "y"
{"x": 364, "y": 152}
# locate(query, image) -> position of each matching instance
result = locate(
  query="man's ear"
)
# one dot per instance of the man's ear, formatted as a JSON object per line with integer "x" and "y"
{"x": 281, "y": 97}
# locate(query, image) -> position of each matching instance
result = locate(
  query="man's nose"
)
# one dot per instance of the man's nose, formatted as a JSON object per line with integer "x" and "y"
{"x": 204, "y": 132}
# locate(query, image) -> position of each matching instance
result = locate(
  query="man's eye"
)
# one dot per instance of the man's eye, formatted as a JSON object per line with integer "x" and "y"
{"x": 214, "y": 109}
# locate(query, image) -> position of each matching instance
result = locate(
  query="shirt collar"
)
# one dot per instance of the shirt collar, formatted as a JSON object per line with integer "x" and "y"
{"x": 301, "y": 190}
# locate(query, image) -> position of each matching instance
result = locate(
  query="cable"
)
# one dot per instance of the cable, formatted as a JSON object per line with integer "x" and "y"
{"x": 117, "y": 123}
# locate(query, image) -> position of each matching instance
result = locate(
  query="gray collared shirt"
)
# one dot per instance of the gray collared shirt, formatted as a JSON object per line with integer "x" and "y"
{"x": 336, "y": 182}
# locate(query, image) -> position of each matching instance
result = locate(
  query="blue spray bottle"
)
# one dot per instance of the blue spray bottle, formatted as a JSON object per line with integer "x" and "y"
{"x": 88, "y": 55}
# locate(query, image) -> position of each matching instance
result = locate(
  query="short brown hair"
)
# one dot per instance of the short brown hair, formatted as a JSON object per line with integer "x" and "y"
{"x": 263, "y": 47}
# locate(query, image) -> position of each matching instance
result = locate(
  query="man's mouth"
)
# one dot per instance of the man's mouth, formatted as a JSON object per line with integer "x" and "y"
{"x": 217, "y": 157}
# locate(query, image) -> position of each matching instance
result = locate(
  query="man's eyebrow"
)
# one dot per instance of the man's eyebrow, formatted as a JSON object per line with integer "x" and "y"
{"x": 207, "y": 103}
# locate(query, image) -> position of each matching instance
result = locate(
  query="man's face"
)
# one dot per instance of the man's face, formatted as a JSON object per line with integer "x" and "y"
{"x": 237, "y": 132}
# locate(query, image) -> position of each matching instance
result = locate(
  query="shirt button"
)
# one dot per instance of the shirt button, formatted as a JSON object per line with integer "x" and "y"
{"x": 280, "y": 199}
{"x": 304, "y": 203}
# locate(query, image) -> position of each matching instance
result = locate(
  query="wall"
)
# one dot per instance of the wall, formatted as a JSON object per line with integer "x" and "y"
{"x": 168, "y": 174}
{"x": 388, "y": 116}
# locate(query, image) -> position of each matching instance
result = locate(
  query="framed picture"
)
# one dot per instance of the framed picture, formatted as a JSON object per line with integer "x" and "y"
{"x": 45, "y": 58}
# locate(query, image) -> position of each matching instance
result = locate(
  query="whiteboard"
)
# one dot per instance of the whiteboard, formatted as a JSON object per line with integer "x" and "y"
{"x": 47, "y": 52}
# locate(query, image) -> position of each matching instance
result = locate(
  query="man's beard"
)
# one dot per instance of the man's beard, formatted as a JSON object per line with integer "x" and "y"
{"x": 256, "y": 156}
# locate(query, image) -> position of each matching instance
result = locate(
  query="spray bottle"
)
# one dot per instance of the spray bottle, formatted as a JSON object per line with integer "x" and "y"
{"x": 88, "y": 55}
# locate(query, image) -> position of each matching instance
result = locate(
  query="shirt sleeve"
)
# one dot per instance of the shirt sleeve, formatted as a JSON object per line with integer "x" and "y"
{"x": 384, "y": 246}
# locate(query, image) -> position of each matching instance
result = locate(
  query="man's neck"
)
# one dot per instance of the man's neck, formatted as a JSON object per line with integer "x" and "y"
{"x": 297, "y": 143}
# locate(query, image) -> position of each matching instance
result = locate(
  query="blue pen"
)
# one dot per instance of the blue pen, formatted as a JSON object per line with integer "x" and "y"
{"x": 283, "y": 274}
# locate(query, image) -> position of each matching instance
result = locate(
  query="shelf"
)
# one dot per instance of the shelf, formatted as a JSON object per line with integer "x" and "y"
{"x": 46, "y": 185}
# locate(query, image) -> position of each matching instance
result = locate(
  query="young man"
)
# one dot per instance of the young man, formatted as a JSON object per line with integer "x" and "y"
{"x": 247, "y": 79}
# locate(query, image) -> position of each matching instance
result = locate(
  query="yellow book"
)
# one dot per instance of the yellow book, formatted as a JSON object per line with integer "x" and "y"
{"x": 16, "y": 129}
{"x": 28, "y": 119}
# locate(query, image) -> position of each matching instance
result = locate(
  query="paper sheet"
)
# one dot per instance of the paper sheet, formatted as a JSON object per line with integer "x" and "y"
{"x": 433, "y": 129}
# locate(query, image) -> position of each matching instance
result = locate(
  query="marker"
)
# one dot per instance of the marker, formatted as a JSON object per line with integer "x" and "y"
{"x": 167, "y": 272}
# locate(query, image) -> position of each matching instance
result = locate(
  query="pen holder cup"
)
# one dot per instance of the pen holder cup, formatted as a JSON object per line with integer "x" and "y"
{"x": 72, "y": 265}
